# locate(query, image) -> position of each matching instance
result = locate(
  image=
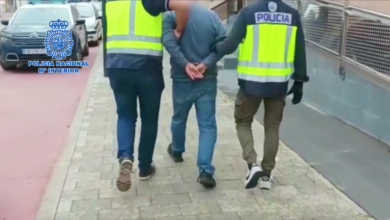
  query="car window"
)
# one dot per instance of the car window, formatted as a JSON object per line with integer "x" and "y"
{"x": 85, "y": 11}
{"x": 96, "y": 11}
{"x": 98, "y": 6}
{"x": 40, "y": 15}
{"x": 74, "y": 13}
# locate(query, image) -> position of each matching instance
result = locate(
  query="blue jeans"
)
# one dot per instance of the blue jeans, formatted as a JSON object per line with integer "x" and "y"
{"x": 128, "y": 86}
{"x": 203, "y": 94}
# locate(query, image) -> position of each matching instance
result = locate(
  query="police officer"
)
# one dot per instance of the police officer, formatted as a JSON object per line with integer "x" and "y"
{"x": 271, "y": 52}
{"x": 133, "y": 61}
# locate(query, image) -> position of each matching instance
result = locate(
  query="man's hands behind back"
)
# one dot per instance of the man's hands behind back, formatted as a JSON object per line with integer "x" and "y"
{"x": 195, "y": 71}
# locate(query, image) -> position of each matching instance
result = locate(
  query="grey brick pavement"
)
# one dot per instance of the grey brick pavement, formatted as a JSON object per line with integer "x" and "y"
{"x": 85, "y": 189}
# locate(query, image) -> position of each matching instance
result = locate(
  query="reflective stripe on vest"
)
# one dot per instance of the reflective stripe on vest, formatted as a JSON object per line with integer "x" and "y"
{"x": 132, "y": 30}
{"x": 267, "y": 53}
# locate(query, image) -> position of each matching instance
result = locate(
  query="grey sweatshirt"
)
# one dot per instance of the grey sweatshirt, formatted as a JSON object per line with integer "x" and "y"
{"x": 202, "y": 30}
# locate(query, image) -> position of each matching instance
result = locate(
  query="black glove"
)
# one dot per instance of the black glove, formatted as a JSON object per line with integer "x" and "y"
{"x": 297, "y": 89}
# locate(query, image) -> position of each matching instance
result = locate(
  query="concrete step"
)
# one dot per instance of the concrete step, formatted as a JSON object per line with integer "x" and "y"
{"x": 230, "y": 62}
{"x": 220, "y": 65}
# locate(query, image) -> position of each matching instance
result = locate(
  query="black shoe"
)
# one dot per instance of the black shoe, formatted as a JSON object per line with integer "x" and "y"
{"x": 253, "y": 176}
{"x": 147, "y": 174}
{"x": 177, "y": 157}
{"x": 207, "y": 180}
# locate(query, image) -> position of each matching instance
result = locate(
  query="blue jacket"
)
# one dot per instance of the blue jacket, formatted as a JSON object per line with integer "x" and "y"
{"x": 238, "y": 33}
{"x": 202, "y": 29}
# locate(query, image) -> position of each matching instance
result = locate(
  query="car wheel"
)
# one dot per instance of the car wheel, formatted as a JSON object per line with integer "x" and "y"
{"x": 101, "y": 36}
{"x": 7, "y": 66}
{"x": 94, "y": 43}
{"x": 78, "y": 53}
{"x": 86, "y": 50}
{"x": 86, "y": 46}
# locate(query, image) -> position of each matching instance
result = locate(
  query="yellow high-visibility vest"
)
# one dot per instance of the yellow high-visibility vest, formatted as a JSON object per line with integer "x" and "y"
{"x": 132, "y": 30}
{"x": 267, "y": 53}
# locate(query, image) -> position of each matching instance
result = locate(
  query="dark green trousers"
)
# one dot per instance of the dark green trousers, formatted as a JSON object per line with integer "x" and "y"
{"x": 245, "y": 109}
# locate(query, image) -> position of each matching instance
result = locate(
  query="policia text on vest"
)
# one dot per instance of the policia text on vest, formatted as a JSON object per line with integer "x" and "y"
{"x": 133, "y": 63}
{"x": 271, "y": 45}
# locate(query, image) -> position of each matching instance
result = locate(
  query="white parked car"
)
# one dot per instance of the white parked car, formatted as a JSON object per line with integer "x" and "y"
{"x": 98, "y": 6}
{"x": 93, "y": 21}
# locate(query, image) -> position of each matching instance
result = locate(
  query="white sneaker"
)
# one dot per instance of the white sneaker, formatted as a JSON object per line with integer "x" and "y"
{"x": 253, "y": 176}
{"x": 266, "y": 182}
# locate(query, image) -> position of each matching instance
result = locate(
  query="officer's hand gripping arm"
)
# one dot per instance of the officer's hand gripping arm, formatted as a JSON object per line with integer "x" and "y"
{"x": 235, "y": 36}
{"x": 170, "y": 41}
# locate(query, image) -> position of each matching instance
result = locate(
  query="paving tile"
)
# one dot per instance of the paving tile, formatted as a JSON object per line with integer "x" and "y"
{"x": 91, "y": 205}
{"x": 260, "y": 214}
{"x": 90, "y": 185}
{"x": 196, "y": 208}
{"x": 219, "y": 216}
{"x": 167, "y": 199}
{"x": 69, "y": 185}
{"x": 119, "y": 214}
{"x": 95, "y": 168}
{"x": 79, "y": 195}
{"x": 230, "y": 184}
{"x": 88, "y": 215}
{"x": 239, "y": 205}
{"x": 90, "y": 193}
{"x": 84, "y": 176}
{"x": 115, "y": 193}
{"x": 147, "y": 190}
{"x": 64, "y": 206}
{"x": 187, "y": 187}
{"x": 243, "y": 193}
{"x": 167, "y": 179}
{"x": 131, "y": 202}
{"x": 189, "y": 217}
{"x": 209, "y": 195}
{"x": 160, "y": 211}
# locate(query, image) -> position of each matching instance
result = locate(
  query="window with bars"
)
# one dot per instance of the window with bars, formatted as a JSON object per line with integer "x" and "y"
{"x": 368, "y": 42}
{"x": 292, "y": 3}
{"x": 222, "y": 10}
{"x": 322, "y": 25}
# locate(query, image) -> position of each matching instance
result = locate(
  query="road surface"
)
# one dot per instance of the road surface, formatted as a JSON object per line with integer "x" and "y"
{"x": 35, "y": 115}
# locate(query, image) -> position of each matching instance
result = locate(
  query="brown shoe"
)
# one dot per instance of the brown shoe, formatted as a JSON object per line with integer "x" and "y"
{"x": 123, "y": 182}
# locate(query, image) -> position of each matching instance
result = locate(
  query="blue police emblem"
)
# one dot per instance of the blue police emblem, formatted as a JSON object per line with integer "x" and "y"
{"x": 59, "y": 41}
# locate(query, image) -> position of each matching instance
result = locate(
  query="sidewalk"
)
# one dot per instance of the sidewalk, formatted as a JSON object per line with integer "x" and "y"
{"x": 82, "y": 185}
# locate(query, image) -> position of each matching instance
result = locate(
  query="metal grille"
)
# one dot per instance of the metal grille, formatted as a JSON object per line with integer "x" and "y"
{"x": 368, "y": 42}
{"x": 222, "y": 10}
{"x": 29, "y": 43}
{"x": 322, "y": 24}
{"x": 292, "y": 3}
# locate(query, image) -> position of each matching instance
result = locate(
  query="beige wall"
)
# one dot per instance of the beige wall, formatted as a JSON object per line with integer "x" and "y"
{"x": 211, "y": 4}
{"x": 381, "y": 6}
{"x": 374, "y": 5}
